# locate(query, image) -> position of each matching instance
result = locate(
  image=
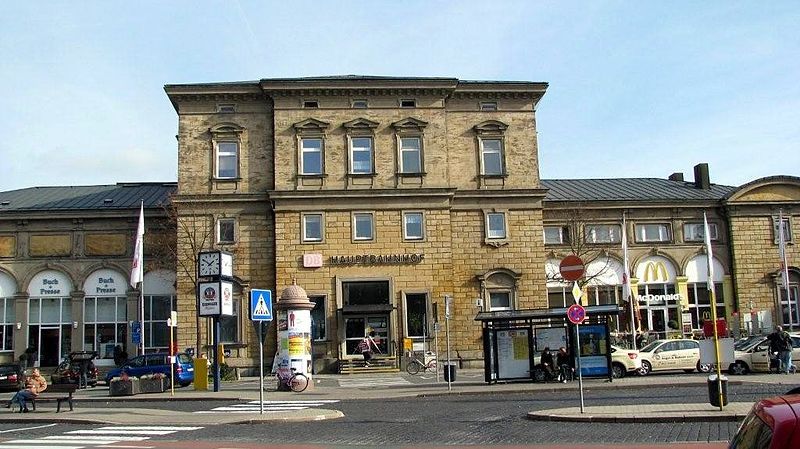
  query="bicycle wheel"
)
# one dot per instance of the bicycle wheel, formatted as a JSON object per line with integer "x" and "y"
{"x": 413, "y": 367}
{"x": 298, "y": 382}
{"x": 432, "y": 366}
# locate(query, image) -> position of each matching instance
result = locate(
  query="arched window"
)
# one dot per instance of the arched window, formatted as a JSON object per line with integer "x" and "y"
{"x": 499, "y": 289}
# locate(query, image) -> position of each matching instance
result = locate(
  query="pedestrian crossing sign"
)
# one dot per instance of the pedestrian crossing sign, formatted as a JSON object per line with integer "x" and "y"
{"x": 260, "y": 305}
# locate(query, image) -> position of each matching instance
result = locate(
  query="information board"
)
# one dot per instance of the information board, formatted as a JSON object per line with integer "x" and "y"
{"x": 513, "y": 354}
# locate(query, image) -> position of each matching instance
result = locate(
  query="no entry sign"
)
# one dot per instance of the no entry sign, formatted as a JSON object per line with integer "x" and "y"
{"x": 571, "y": 268}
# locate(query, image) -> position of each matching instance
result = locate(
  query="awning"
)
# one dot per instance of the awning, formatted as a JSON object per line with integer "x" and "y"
{"x": 556, "y": 312}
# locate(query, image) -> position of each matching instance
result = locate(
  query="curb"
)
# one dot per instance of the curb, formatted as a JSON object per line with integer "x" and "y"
{"x": 539, "y": 416}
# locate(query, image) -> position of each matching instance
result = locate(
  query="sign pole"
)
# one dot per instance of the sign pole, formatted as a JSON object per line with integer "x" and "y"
{"x": 170, "y": 323}
{"x": 578, "y": 362}
{"x": 261, "y": 367}
{"x": 447, "y": 301}
{"x": 260, "y": 311}
{"x": 216, "y": 352}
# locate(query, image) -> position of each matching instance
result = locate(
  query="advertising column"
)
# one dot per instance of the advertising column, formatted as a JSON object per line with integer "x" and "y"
{"x": 293, "y": 310}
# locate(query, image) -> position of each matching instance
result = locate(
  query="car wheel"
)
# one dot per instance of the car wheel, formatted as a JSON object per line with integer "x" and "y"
{"x": 646, "y": 368}
{"x": 618, "y": 371}
{"x": 704, "y": 367}
{"x": 739, "y": 368}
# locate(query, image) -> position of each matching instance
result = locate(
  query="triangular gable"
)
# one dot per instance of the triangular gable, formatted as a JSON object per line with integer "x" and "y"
{"x": 409, "y": 124}
{"x": 360, "y": 123}
{"x": 311, "y": 125}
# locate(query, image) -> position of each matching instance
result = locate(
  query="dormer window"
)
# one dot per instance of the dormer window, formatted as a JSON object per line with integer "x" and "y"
{"x": 408, "y": 103}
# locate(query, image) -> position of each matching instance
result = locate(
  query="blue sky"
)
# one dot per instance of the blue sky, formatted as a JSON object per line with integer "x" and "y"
{"x": 637, "y": 89}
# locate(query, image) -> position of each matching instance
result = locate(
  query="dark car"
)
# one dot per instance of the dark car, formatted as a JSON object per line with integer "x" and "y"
{"x": 12, "y": 377}
{"x": 69, "y": 370}
{"x": 157, "y": 363}
{"x": 772, "y": 423}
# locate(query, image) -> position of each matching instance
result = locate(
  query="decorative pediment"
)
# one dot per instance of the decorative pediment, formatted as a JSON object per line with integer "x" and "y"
{"x": 310, "y": 126}
{"x": 770, "y": 189}
{"x": 490, "y": 127}
{"x": 409, "y": 124}
{"x": 360, "y": 124}
{"x": 226, "y": 128}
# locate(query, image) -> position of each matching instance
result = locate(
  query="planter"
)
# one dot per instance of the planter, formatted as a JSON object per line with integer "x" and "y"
{"x": 121, "y": 387}
{"x": 152, "y": 385}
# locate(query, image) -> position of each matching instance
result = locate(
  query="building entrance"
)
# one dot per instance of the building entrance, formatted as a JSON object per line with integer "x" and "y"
{"x": 356, "y": 327}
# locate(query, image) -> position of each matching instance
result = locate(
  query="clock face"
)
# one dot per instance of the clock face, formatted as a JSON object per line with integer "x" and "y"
{"x": 227, "y": 264}
{"x": 209, "y": 264}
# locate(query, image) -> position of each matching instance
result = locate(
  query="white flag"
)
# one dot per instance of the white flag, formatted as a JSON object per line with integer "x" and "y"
{"x": 709, "y": 255}
{"x": 782, "y": 252}
{"x": 626, "y": 274}
{"x": 137, "y": 269}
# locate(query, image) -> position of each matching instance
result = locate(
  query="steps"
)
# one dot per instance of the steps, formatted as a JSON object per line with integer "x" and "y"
{"x": 385, "y": 364}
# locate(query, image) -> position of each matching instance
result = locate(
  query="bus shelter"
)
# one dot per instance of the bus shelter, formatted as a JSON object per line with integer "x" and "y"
{"x": 513, "y": 339}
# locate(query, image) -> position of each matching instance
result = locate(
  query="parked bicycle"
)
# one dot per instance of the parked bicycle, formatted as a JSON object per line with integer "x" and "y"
{"x": 296, "y": 382}
{"x": 416, "y": 365}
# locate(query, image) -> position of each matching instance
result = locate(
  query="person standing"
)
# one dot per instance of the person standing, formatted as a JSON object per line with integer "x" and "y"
{"x": 34, "y": 385}
{"x": 781, "y": 342}
{"x": 564, "y": 362}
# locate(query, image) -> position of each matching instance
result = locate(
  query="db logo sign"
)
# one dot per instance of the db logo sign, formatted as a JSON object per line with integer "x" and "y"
{"x": 210, "y": 293}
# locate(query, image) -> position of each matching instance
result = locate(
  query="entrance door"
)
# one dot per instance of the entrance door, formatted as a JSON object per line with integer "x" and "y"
{"x": 49, "y": 344}
{"x": 658, "y": 322}
{"x": 356, "y": 327}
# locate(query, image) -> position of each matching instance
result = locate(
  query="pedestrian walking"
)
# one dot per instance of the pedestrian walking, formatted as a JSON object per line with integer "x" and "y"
{"x": 366, "y": 346}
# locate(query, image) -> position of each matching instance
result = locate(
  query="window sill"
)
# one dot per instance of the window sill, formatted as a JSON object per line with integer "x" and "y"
{"x": 411, "y": 175}
{"x": 362, "y": 175}
{"x": 312, "y": 176}
{"x": 216, "y": 179}
{"x": 494, "y": 176}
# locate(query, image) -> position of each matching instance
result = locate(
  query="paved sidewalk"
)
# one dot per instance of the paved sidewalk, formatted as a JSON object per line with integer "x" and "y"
{"x": 382, "y": 386}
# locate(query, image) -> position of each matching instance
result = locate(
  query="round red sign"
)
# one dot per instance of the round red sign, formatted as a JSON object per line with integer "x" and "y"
{"x": 576, "y": 314}
{"x": 571, "y": 268}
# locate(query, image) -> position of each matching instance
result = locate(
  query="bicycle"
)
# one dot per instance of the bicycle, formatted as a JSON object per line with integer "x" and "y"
{"x": 296, "y": 382}
{"x": 416, "y": 365}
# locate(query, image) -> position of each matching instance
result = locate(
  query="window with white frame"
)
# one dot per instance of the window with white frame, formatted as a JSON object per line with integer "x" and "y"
{"x": 695, "y": 232}
{"x": 311, "y": 156}
{"x": 790, "y": 311}
{"x": 229, "y": 324}
{"x": 7, "y": 325}
{"x": 157, "y": 310}
{"x": 699, "y": 301}
{"x": 499, "y": 300}
{"x": 413, "y": 226}
{"x": 491, "y": 156}
{"x": 361, "y": 155}
{"x": 319, "y": 318}
{"x": 363, "y": 226}
{"x": 226, "y": 230}
{"x": 500, "y": 290}
{"x": 417, "y": 315}
{"x": 312, "y": 227}
{"x": 496, "y": 226}
{"x": 652, "y": 232}
{"x": 603, "y": 233}
{"x": 106, "y": 324}
{"x": 787, "y": 229}
{"x": 410, "y": 155}
{"x": 227, "y": 160}
{"x": 556, "y": 235}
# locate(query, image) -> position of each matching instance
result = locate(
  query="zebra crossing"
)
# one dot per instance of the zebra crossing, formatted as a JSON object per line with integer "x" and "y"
{"x": 78, "y": 439}
{"x": 371, "y": 382}
{"x": 269, "y": 406}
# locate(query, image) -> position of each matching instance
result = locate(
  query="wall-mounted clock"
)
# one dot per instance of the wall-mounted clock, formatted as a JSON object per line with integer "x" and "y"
{"x": 209, "y": 263}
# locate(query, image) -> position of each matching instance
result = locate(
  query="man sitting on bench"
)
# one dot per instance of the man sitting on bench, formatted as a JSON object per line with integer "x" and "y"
{"x": 34, "y": 384}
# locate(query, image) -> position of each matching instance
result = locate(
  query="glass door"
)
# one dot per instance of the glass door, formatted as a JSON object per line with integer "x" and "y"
{"x": 356, "y": 327}
{"x": 657, "y": 322}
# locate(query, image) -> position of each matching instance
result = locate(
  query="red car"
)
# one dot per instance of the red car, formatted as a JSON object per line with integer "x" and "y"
{"x": 773, "y": 423}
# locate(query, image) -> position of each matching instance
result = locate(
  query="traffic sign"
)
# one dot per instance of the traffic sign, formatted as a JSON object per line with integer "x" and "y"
{"x": 576, "y": 314}
{"x": 260, "y": 305}
{"x": 571, "y": 268}
{"x": 577, "y": 292}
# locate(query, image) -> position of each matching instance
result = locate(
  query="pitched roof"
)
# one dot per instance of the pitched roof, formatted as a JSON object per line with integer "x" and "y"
{"x": 101, "y": 197}
{"x": 631, "y": 189}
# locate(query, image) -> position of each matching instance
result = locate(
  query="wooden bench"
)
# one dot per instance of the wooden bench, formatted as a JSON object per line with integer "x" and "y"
{"x": 58, "y": 393}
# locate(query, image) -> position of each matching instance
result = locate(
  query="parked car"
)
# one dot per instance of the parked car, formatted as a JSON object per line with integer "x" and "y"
{"x": 756, "y": 357}
{"x": 624, "y": 361}
{"x": 772, "y": 423}
{"x": 12, "y": 377}
{"x": 157, "y": 363}
{"x": 69, "y": 370}
{"x": 677, "y": 354}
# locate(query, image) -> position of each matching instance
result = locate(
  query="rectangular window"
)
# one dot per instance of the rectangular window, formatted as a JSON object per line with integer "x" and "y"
{"x": 361, "y": 155}
{"x": 408, "y": 103}
{"x": 557, "y": 297}
{"x": 787, "y": 230}
{"x": 500, "y": 300}
{"x": 488, "y": 106}
{"x": 319, "y": 319}
{"x": 226, "y": 108}
{"x": 157, "y": 311}
{"x": 417, "y": 315}
{"x": 492, "y": 156}
{"x": 311, "y": 156}
{"x": 229, "y": 325}
{"x": 413, "y": 228}
{"x": 362, "y": 226}
{"x": 652, "y": 232}
{"x": 603, "y": 233}
{"x": 7, "y": 325}
{"x": 312, "y": 227}
{"x": 226, "y": 230}
{"x": 496, "y": 225}
{"x": 556, "y": 235}
{"x": 227, "y": 160}
{"x": 311, "y": 104}
{"x": 695, "y": 232}
{"x": 410, "y": 155}
{"x": 360, "y": 104}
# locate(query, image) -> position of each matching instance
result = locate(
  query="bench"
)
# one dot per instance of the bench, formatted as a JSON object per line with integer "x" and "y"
{"x": 58, "y": 393}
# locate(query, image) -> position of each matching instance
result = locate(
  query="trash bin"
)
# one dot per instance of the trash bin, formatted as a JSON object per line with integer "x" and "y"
{"x": 713, "y": 390}
{"x": 450, "y": 372}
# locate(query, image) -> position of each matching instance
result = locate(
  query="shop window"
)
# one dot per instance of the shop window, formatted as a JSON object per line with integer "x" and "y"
{"x": 700, "y": 303}
{"x": 226, "y": 230}
{"x": 229, "y": 325}
{"x": 105, "y": 325}
{"x": 695, "y": 232}
{"x": 319, "y": 318}
{"x": 313, "y": 227}
{"x": 363, "y": 226}
{"x": 311, "y": 156}
{"x": 7, "y": 324}
{"x": 652, "y": 232}
{"x": 157, "y": 310}
{"x": 602, "y": 233}
{"x": 556, "y": 235}
{"x": 496, "y": 226}
{"x": 417, "y": 315}
{"x": 413, "y": 226}
{"x": 787, "y": 230}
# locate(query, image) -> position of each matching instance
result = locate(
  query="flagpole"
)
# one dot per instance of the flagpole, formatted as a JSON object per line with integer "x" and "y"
{"x": 626, "y": 287}
{"x": 785, "y": 268}
{"x": 137, "y": 271}
{"x": 713, "y": 297}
